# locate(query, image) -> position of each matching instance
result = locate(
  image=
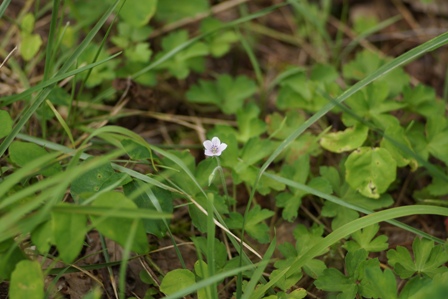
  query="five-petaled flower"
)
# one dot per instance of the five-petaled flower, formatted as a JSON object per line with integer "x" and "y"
{"x": 214, "y": 147}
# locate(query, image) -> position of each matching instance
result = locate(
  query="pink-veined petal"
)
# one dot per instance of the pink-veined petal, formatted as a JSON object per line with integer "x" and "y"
{"x": 216, "y": 141}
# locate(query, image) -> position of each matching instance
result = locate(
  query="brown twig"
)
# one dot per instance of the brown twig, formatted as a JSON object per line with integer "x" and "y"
{"x": 8, "y": 56}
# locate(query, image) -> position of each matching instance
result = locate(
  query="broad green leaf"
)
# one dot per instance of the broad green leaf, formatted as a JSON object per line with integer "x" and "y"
{"x": 69, "y": 230}
{"x": 91, "y": 181}
{"x": 413, "y": 286}
{"x": 118, "y": 229}
{"x": 139, "y": 52}
{"x": 135, "y": 150}
{"x": 435, "y": 289}
{"x": 27, "y": 24}
{"x": 27, "y": 281}
{"x": 21, "y": 153}
{"x": 344, "y": 141}
{"x": 43, "y": 237}
{"x": 365, "y": 239}
{"x": 10, "y": 256}
{"x": 30, "y": 45}
{"x": 370, "y": 171}
{"x": 6, "y": 123}
{"x": 138, "y": 13}
{"x": 177, "y": 280}
{"x": 220, "y": 250}
{"x": 142, "y": 199}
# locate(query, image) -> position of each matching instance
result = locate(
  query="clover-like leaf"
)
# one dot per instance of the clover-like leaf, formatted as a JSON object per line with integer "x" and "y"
{"x": 226, "y": 92}
{"x": 429, "y": 259}
{"x": 365, "y": 239}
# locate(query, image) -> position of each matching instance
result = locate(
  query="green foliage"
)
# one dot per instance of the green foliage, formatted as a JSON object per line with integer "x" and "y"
{"x": 22, "y": 153}
{"x": 253, "y": 223}
{"x": 285, "y": 151}
{"x": 429, "y": 259}
{"x": 6, "y": 121}
{"x": 370, "y": 171}
{"x": 226, "y": 92}
{"x": 30, "y": 43}
{"x": 27, "y": 281}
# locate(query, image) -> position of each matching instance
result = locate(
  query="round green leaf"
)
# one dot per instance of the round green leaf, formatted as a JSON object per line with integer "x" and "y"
{"x": 370, "y": 171}
{"x": 177, "y": 280}
{"x": 21, "y": 153}
{"x": 138, "y": 13}
{"x": 6, "y": 122}
{"x": 27, "y": 281}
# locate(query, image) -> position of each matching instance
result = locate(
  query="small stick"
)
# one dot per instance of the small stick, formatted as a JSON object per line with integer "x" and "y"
{"x": 7, "y": 57}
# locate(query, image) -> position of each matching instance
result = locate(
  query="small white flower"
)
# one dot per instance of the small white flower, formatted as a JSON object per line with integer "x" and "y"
{"x": 214, "y": 147}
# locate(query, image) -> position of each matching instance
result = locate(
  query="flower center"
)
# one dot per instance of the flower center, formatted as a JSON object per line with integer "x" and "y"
{"x": 214, "y": 149}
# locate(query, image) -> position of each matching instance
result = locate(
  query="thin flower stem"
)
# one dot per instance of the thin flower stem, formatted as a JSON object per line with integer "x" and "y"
{"x": 223, "y": 181}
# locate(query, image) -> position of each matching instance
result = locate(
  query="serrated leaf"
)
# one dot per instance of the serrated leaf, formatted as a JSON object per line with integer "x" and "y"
{"x": 219, "y": 43}
{"x": 27, "y": 281}
{"x": 341, "y": 215}
{"x": 69, "y": 230}
{"x": 367, "y": 62}
{"x": 6, "y": 123}
{"x": 428, "y": 259}
{"x": 370, "y": 171}
{"x": 347, "y": 140}
{"x": 138, "y": 13}
{"x": 177, "y": 280}
{"x": 118, "y": 229}
{"x": 422, "y": 100}
{"x": 334, "y": 281}
{"x": 249, "y": 123}
{"x": 254, "y": 224}
{"x": 21, "y": 153}
{"x": 365, "y": 239}
{"x": 378, "y": 284}
{"x": 226, "y": 92}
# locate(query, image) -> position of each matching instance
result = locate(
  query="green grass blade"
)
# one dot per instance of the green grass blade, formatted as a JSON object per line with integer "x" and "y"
{"x": 26, "y": 115}
{"x": 62, "y": 122}
{"x": 3, "y": 7}
{"x": 342, "y": 203}
{"x": 385, "y": 69}
{"x": 51, "y": 40}
{"x": 348, "y": 229}
{"x": 250, "y": 287}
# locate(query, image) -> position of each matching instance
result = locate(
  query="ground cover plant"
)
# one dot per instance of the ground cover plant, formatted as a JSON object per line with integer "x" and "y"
{"x": 223, "y": 149}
